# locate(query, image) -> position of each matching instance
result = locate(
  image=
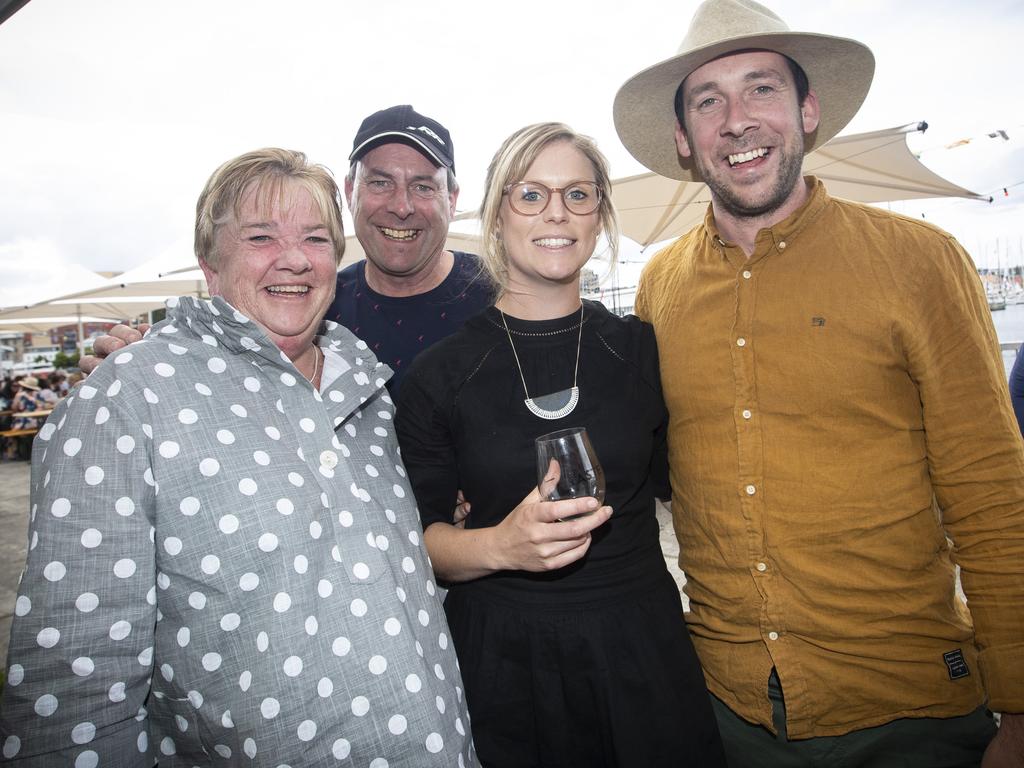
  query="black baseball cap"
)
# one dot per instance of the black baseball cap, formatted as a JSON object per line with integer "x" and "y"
{"x": 405, "y": 125}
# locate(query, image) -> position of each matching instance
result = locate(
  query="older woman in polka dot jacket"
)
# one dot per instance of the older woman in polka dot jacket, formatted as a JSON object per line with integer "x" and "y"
{"x": 226, "y": 565}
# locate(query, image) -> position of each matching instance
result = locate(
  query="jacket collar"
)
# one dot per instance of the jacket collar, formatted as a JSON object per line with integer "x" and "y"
{"x": 219, "y": 324}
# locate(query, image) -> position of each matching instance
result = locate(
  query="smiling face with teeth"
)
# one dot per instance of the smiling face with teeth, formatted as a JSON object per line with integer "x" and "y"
{"x": 745, "y": 132}
{"x": 276, "y": 265}
{"x": 546, "y": 251}
{"x": 402, "y": 233}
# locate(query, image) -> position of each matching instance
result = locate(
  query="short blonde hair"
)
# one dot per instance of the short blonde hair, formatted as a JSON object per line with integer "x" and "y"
{"x": 265, "y": 171}
{"x": 510, "y": 164}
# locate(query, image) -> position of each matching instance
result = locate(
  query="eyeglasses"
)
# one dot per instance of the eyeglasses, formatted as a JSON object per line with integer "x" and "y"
{"x": 387, "y": 187}
{"x": 528, "y": 198}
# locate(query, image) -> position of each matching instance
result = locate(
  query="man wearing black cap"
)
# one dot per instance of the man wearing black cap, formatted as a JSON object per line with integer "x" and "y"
{"x": 409, "y": 292}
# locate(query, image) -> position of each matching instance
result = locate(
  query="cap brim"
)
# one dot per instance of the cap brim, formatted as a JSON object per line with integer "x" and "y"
{"x": 839, "y": 71}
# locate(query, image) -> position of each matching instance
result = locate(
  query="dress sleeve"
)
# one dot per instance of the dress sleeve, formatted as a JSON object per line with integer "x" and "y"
{"x": 428, "y": 448}
{"x": 659, "y": 451}
{"x": 640, "y": 301}
{"x": 975, "y": 458}
{"x": 81, "y": 650}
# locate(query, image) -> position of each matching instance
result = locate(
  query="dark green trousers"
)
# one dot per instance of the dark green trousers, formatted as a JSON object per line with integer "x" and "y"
{"x": 927, "y": 742}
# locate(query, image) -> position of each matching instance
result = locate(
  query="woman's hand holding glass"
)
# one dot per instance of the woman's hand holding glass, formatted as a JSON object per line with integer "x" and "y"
{"x": 539, "y": 535}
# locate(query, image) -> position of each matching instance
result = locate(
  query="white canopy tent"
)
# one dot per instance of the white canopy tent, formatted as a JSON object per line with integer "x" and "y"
{"x": 127, "y": 289}
{"x": 123, "y": 297}
{"x": 41, "y": 317}
{"x": 43, "y": 324}
{"x": 106, "y": 309}
{"x": 35, "y": 270}
{"x": 871, "y": 167}
{"x": 116, "y": 299}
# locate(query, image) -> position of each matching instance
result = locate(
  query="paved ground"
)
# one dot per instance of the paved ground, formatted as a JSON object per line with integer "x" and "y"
{"x": 14, "y": 477}
{"x": 14, "y": 481}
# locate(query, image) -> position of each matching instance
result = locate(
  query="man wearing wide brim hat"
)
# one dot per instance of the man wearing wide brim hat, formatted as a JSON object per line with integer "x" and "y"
{"x": 839, "y": 415}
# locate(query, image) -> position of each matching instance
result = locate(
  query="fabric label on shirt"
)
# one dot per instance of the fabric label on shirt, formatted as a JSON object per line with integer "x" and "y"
{"x": 955, "y": 664}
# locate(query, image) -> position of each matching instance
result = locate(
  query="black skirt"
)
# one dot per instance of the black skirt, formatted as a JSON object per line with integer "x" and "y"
{"x": 585, "y": 685}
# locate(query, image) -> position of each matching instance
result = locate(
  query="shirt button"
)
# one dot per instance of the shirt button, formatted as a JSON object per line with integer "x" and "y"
{"x": 782, "y": 245}
{"x": 747, "y": 414}
{"x": 773, "y": 635}
{"x": 762, "y": 567}
{"x": 746, "y": 274}
{"x": 329, "y": 459}
{"x": 750, "y": 490}
{"x": 741, "y": 342}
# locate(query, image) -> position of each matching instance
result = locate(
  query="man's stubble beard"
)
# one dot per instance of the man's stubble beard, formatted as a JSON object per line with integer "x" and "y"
{"x": 790, "y": 173}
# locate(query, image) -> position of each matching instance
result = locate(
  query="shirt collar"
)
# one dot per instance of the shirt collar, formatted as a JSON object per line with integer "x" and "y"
{"x": 785, "y": 231}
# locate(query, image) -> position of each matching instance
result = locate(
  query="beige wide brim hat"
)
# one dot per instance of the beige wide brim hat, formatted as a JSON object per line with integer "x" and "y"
{"x": 839, "y": 71}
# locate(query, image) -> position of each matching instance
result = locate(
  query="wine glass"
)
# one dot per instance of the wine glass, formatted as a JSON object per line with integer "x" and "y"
{"x": 580, "y": 471}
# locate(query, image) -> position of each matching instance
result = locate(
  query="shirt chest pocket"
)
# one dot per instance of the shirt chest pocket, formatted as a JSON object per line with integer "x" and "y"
{"x": 362, "y": 554}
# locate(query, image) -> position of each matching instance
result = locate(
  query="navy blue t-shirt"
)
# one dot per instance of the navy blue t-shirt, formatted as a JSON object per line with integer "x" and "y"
{"x": 397, "y": 328}
{"x": 1017, "y": 388}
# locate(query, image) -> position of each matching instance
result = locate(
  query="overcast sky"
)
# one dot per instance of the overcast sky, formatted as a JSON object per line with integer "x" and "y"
{"x": 114, "y": 112}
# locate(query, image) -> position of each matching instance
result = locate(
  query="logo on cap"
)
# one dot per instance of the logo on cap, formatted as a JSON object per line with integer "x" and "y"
{"x": 426, "y": 130}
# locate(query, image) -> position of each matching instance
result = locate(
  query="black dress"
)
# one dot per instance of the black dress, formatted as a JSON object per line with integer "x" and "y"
{"x": 590, "y": 665}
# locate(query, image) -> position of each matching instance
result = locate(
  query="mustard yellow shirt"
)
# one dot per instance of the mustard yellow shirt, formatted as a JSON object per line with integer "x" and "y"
{"x": 840, "y": 437}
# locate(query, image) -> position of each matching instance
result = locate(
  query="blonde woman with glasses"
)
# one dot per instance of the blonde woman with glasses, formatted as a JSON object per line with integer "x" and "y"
{"x": 568, "y": 627}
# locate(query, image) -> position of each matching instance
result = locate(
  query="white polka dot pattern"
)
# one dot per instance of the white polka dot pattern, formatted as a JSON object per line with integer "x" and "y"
{"x": 239, "y": 554}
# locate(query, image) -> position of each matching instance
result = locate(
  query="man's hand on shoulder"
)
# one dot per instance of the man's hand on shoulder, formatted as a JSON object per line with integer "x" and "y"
{"x": 120, "y": 336}
{"x": 1007, "y": 748}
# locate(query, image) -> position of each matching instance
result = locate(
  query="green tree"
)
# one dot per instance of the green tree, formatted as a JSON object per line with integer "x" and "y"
{"x": 61, "y": 360}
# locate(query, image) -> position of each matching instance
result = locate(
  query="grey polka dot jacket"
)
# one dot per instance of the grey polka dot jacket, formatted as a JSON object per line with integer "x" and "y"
{"x": 226, "y": 567}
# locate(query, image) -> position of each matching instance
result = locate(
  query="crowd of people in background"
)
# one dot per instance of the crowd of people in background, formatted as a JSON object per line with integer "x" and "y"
{"x": 22, "y": 395}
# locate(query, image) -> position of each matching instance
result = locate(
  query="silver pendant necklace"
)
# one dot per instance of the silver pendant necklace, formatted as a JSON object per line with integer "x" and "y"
{"x": 556, "y": 405}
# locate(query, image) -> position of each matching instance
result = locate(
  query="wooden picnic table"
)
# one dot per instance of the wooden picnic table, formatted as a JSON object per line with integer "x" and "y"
{"x": 42, "y": 413}
{"x": 23, "y": 437}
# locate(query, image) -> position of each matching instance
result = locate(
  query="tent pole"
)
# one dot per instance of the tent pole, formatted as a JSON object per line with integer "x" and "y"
{"x": 81, "y": 330}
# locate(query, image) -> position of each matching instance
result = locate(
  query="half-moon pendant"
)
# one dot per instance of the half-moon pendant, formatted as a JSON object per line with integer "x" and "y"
{"x": 557, "y": 405}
